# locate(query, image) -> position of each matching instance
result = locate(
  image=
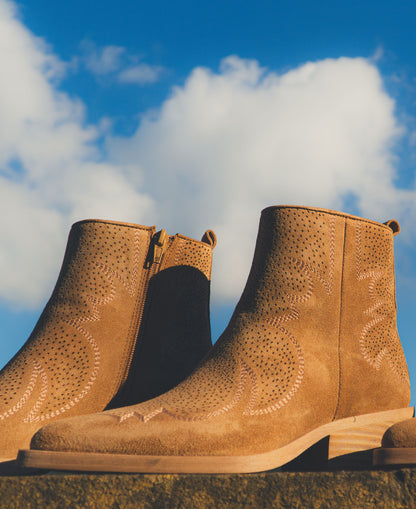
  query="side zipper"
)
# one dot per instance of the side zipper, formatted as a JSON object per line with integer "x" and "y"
{"x": 157, "y": 247}
{"x": 156, "y": 250}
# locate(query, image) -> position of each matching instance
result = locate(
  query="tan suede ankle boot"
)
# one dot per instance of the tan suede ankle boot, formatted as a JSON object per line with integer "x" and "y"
{"x": 118, "y": 282}
{"x": 398, "y": 446}
{"x": 311, "y": 351}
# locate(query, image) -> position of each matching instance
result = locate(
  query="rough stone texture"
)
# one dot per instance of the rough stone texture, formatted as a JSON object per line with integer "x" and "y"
{"x": 325, "y": 490}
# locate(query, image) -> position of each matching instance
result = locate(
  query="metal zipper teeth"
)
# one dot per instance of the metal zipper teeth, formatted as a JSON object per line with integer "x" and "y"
{"x": 151, "y": 271}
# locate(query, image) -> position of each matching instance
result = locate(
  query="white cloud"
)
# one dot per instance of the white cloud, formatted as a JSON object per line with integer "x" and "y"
{"x": 51, "y": 172}
{"x": 114, "y": 61}
{"x": 141, "y": 74}
{"x": 227, "y": 144}
{"x": 102, "y": 60}
{"x": 219, "y": 149}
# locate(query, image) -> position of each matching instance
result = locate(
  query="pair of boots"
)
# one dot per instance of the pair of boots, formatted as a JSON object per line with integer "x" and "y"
{"x": 311, "y": 351}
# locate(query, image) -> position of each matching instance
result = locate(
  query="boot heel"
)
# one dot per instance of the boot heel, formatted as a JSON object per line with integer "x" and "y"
{"x": 364, "y": 432}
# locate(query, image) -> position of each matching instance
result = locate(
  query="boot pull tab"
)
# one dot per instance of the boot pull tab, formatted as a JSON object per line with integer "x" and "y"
{"x": 210, "y": 238}
{"x": 394, "y": 226}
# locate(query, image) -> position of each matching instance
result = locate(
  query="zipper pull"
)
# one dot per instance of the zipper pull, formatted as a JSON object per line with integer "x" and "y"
{"x": 156, "y": 248}
{"x": 160, "y": 239}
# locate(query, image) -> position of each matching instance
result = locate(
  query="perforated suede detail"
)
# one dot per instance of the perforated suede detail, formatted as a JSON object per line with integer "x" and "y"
{"x": 258, "y": 361}
{"x": 62, "y": 358}
{"x": 14, "y": 393}
{"x": 379, "y": 339}
{"x": 82, "y": 349}
{"x": 197, "y": 395}
{"x": 289, "y": 362}
{"x": 185, "y": 251}
{"x": 301, "y": 246}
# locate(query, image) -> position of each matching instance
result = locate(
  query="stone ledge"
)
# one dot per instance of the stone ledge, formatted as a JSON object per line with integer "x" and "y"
{"x": 390, "y": 489}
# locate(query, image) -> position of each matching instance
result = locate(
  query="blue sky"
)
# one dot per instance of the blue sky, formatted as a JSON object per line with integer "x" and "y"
{"x": 182, "y": 35}
{"x": 152, "y": 99}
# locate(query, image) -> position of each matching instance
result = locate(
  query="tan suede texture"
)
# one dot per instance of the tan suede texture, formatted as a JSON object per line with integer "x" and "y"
{"x": 313, "y": 339}
{"x": 401, "y": 434}
{"x": 184, "y": 251}
{"x": 369, "y": 317}
{"x": 80, "y": 351}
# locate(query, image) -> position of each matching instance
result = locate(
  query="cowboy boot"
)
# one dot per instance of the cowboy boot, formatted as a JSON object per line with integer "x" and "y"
{"x": 130, "y": 307}
{"x": 311, "y": 351}
{"x": 398, "y": 446}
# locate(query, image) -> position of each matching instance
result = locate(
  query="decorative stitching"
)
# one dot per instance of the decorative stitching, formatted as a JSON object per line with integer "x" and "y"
{"x": 42, "y": 396}
{"x": 328, "y": 284}
{"x": 76, "y": 324}
{"x": 293, "y": 299}
{"x": 244, "y": 373}
{"x": 94, "y": 316}
{"x": 289, "y": 395}
{"x": 294, "y": 315}
{"x": 134, "y": 273}
{"x": 373, "y": 276}
{"x": 25, "y": 397}
{"x": 375, "y": 312}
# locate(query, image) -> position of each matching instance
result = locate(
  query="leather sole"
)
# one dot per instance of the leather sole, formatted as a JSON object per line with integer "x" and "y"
{"x": 349, "y": 435}
{"x": 394, "y": 456}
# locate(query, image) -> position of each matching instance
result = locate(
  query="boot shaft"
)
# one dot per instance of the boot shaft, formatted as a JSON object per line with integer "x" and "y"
{"x": 102, "y": 297}
{"x": 80, "y": 345}
{"x": 325, "y": 281}
{"x": 372, "y": 362}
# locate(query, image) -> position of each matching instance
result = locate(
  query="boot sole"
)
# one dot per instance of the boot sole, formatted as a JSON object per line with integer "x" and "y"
{"x": 394, "y": 456}
{"x": 349, "y": 435}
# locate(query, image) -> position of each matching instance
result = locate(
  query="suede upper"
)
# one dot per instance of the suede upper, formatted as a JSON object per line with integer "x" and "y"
{"x": 81, "y": 350}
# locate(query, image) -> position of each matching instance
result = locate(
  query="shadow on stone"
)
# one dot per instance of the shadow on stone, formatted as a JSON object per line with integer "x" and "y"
{"x": 12, "y": 469}
{"x": 315, "y": 459}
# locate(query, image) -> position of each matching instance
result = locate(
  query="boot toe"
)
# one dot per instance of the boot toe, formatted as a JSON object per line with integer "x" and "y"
{"x": 77, "y": 434}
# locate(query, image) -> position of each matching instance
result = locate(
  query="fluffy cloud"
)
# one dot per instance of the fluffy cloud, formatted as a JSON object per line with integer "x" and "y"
{"x": 51, "y": 169}
{"x": 218, "y": 150}
{"x": 227, "y": 144}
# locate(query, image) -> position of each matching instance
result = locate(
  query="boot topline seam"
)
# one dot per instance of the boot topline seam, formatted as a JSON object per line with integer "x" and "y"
{"x": 344, "y": 215}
